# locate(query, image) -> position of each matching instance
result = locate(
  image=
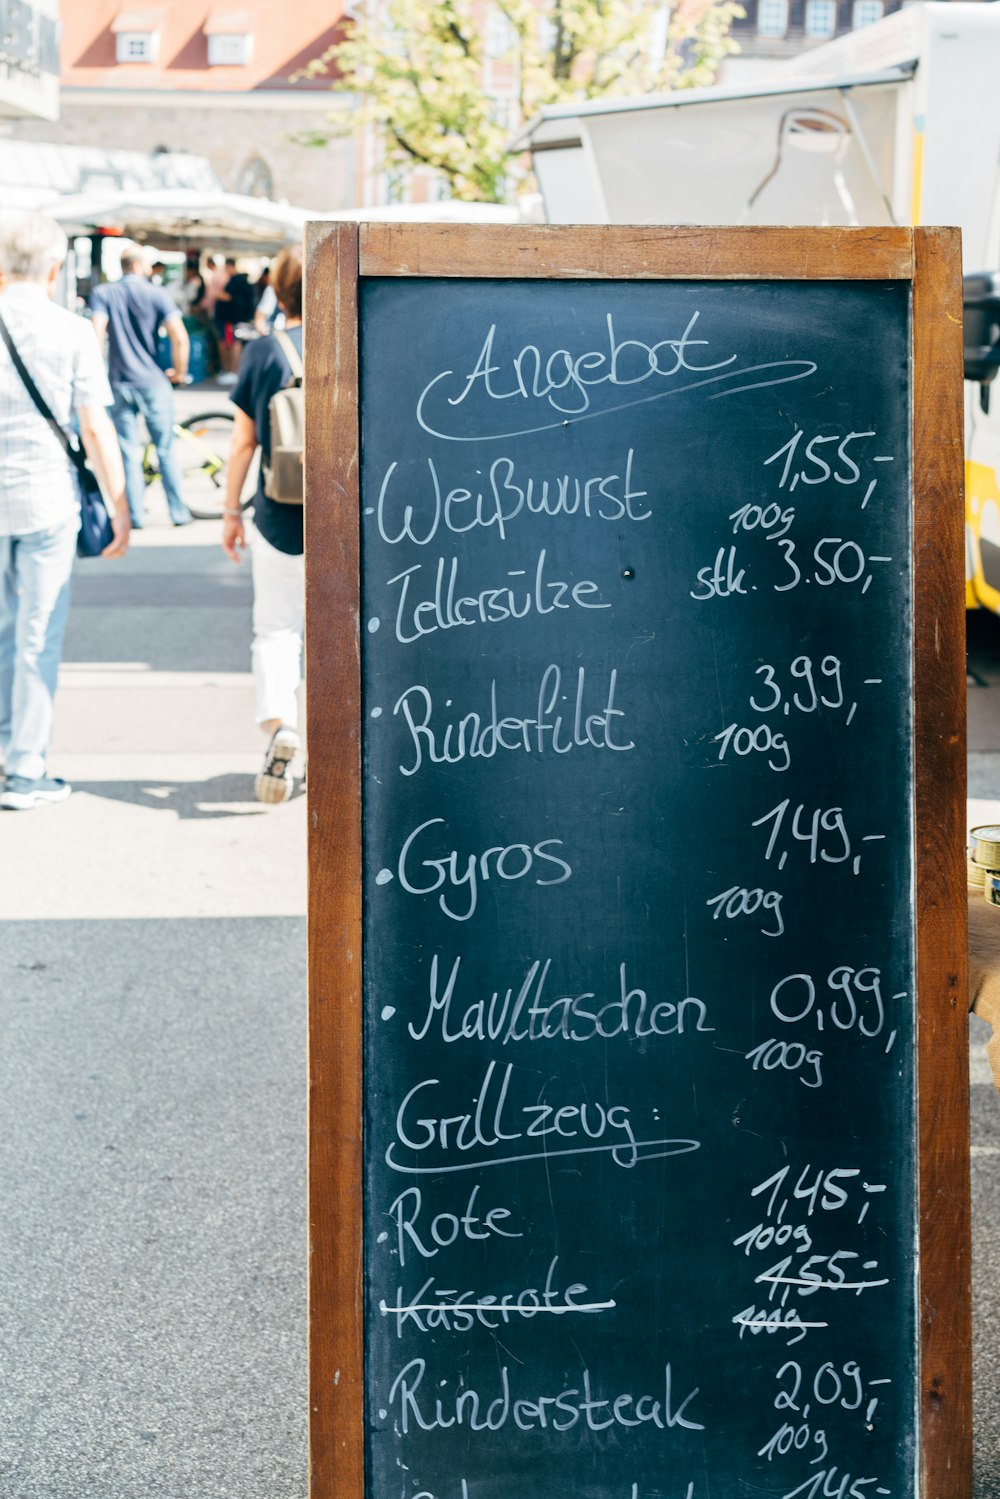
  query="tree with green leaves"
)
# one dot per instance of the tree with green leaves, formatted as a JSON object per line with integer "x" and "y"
{"x": 447, "y": 82}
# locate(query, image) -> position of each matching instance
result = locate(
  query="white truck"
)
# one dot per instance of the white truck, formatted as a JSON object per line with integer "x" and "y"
{"x": 892, "y": 124}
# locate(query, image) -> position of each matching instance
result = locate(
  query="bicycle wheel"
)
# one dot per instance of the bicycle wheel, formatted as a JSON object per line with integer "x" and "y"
{"x": 203, "y": 444}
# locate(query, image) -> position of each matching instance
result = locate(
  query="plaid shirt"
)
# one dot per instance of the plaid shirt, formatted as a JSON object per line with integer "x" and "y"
{"x": 37, "y": 487}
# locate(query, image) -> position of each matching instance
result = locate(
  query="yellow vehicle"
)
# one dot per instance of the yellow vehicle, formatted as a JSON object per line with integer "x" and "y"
{"x": 898, "y": 123}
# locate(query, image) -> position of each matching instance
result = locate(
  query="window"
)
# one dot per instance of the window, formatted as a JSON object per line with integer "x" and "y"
{"x": 866, "y": 13}
{"x": 255, "y": 180}
{"x": 501, "y": 112}
{"x": 500, "y": 36}
{"x": 772, "y": 17}
{"x": 229, "y": 49}
{"x": 821, "y": 18}
{"x": 136, "y": 46}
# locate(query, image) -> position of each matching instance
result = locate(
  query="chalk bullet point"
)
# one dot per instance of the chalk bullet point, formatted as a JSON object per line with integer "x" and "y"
{"x": 376, "y": 713}
{"x": 373, "y": 625}
{"x": 382, "y": 1237}
{"x": 388, "y": 1011}
{"x": 382, "y": 1415}
{"x": 369, "y": 509}
{"x": 383, "y": 877}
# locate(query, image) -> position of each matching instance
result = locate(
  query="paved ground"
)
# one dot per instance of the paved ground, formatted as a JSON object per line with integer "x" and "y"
{"x": 984, "y": 805}
{"x": 152, "y": 1064}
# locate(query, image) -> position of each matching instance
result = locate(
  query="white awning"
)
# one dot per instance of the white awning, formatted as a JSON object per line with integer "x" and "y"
{"x": 556, "y": 126}
{"x": 176, "y": 218}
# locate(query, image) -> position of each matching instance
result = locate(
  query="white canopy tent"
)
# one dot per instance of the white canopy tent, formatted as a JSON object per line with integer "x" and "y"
{"x": 179, "y": 218}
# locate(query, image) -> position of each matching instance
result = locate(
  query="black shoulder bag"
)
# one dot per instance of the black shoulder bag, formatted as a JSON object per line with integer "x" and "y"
{"x": 96, "y": 531}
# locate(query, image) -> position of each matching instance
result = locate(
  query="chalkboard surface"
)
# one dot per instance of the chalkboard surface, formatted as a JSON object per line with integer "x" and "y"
{"x": 640, "y": 1181}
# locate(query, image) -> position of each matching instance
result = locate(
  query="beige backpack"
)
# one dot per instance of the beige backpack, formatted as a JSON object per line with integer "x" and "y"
{"x": 286, "y": 409}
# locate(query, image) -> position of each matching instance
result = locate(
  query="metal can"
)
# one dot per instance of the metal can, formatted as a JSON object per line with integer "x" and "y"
{"x": 985, "y": 843}
{"x": 976, "y": 874}
{"x": 992, "y": 889}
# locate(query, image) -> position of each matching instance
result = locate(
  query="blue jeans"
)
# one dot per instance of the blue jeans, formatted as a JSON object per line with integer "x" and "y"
{"x": 34, "y": 601}
{"x": 156, "y": 404}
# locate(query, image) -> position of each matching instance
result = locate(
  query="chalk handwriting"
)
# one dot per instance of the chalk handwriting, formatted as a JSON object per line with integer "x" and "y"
{"x": 532, "y": 1013}
{"x": 512, "y": 861}
{"x": 827, "y": 1485}
{"x": 633, "y": 1493}
{"x": 773, "y": 1321}
{"x": 818, "y": 1272}
{"x": 506, "y": 495}
{"x": 821, "y": 830}
{"x": 494, "y": 1122}
{"x": 446, "y": 609}
{"x": 800, "y": 1438}
{"x": 444, "y": 1229}
{"x": 563, "y": 381}
{"x": 805, "y": 693}
{"x": 817, "y": 463}
{"x": 417, "y": 1409}
{"x": 770, "y": 519}
{"x": 843, "y": 1387}
{"x": 739, "y": 901}
{"x": 856, "y": 1002}
{"x": 792, "y": 1056}
{"x": 449, "y": 738}
{"x": 722, "y": 579}
{"x": 761, "y": 740}
{"x": 430, "y": 1309}
{"x": 819, "y": 1188}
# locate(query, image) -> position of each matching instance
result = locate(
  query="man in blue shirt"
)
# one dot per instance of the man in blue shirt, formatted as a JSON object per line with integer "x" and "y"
{"x": 131, "y": 312}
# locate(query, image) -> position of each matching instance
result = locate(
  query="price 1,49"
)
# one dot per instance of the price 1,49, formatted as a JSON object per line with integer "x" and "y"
{"x": 821, "y": 830}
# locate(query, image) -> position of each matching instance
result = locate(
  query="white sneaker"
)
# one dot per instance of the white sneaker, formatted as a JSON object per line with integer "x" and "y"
{"x": 21, "y": 793}
{"x": 274, "y": 783}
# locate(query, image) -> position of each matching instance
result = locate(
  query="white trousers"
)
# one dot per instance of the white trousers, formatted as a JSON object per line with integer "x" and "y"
{"x": 278, "y": 624}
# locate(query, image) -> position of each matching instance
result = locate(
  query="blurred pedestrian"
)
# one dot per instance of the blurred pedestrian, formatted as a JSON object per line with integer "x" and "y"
{"x": 217, "y": 274}
{"x": 276, "y": 553}
{"x": 131, "y": 312}
{"x": 233, "y": 305}
{"x": 39, "y": 508}
{"x": 188, "y": 293}
{"x": 266, "y": 313}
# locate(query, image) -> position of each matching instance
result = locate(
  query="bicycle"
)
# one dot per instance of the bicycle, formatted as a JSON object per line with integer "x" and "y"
{"x": 203, "y": 445}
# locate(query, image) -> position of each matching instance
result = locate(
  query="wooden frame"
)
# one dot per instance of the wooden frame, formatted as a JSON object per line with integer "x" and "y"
{"x": 337, "y": 255}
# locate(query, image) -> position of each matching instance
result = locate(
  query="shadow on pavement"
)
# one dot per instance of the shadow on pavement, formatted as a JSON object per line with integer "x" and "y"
{"x": 221, "y": 796}
{"x": 164, "y": 609}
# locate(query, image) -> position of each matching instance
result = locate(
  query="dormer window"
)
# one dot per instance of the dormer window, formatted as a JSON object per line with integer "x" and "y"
{"x": 866, "y": 13}
{"x": 230, "y": 37}
{"x": 772, "y": 17}
{"x": 229, "y": 49}
{"x": 137, "y": 46}
{"x": 137, "y": 34}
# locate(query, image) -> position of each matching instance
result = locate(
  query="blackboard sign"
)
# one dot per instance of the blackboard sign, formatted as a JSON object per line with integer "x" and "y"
{"x": 640, "y": 752}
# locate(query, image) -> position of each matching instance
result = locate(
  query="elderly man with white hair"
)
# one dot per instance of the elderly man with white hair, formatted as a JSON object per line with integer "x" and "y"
{"x": 39, "y": 507}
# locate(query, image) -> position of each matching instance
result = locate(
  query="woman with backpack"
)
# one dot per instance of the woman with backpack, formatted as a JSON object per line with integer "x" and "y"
{"x": 268, "y": 398}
